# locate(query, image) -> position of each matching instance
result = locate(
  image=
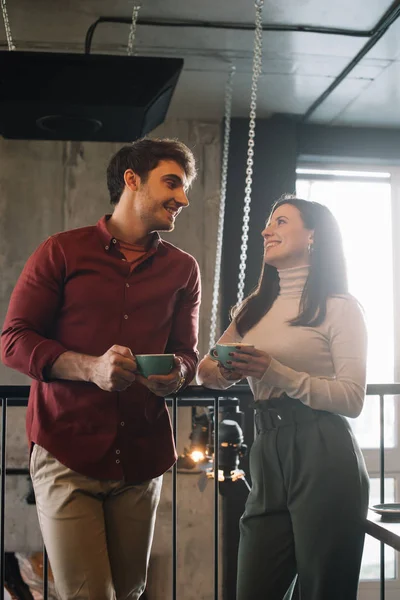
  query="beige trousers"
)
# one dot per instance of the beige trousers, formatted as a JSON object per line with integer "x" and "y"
{"x": 98, "y": 534}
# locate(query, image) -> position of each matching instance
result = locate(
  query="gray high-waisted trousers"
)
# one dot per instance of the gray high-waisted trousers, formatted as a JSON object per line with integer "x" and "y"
{"x": 306, "y": 511}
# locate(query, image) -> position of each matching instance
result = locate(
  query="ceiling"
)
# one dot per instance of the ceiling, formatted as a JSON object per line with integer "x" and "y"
{"x": 297, "y": 66}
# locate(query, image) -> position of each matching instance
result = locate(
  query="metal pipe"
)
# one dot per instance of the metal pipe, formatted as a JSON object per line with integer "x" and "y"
{"x": 193, "y": 395}
{"x": 227, "y": 26}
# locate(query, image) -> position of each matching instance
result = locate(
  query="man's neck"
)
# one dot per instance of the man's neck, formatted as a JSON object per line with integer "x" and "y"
{"x": 123, "y": 227}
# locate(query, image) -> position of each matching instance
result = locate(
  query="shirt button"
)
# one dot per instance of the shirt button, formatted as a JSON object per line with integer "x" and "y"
{"x": 122, "y": 423}
{"x": 126, "y": 317}
{"x": 127, "y": 284}
{"x": 107, "y": 247}
{"x": 118, "y": 452}
{"x": 114, "y": 241}
{"x": 117, "y": 461}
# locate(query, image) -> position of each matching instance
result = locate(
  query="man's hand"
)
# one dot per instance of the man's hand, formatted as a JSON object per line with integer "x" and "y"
{"x": 115, "y": 370}
{"x": 163, "y": 385}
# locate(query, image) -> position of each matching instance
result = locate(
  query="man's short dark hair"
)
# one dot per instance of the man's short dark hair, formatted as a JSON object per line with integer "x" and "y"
{"x": 144, "y": 155}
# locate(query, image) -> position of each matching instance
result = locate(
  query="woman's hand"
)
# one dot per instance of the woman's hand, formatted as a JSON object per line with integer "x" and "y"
{"x": 250, "y": 362}
{"x": 229, "y": 374}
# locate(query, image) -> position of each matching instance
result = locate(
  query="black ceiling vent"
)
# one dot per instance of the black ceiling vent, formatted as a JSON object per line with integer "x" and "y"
{"x": 83, "y": 97}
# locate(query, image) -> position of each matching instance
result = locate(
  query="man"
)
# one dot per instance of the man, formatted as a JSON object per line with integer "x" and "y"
{"x": 85, "y": 303}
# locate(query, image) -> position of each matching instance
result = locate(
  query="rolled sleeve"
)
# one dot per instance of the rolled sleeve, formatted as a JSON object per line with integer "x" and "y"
{"x": 25, "y": 342}
{"x": 42, "y": 358}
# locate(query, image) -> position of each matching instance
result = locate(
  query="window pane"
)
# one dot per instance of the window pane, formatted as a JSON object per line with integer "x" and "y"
{"x": 366, "y": 426}
{"x": 368, "y": 253}
{"x": 369, "y": 260}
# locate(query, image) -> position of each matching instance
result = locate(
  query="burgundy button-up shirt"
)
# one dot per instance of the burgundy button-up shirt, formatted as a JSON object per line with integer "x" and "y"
{"x": 78, "y": 293}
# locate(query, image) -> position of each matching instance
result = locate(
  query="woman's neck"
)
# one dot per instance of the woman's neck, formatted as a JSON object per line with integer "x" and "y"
{"x": 292, "y": 281}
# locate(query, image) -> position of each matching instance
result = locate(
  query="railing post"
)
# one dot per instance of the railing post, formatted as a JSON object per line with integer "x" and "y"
{"x": 382, "y": 481}
{"x": 3, "y": 492}
{"x": 45, "y": 575}
{"x": 174, "y": 502}
{"x": 216, "y": 497}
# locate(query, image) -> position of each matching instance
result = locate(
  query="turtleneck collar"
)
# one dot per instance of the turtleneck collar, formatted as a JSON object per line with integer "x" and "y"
{"x": 291, "y": 281}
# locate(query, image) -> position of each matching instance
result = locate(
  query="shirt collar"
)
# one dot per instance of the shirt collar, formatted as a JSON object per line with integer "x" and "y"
{"x": 108, "y": 240}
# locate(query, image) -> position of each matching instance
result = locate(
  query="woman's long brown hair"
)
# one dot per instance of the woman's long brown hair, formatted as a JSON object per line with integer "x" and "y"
{"x": 327, "y": 276}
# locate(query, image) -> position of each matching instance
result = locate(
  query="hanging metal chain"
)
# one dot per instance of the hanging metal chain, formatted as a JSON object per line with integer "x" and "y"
{"x": 224, "y": 180}
{"x": 132, "y": 33}
{"x": 257, "y": 66}
{"x": 7, "y": 25}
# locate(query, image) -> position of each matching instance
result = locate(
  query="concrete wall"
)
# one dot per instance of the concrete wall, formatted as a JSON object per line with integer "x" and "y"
{"x": 47, "y": 187}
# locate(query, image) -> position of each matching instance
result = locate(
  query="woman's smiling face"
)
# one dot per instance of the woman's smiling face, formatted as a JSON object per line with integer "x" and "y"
{"x": 286, "y": 240}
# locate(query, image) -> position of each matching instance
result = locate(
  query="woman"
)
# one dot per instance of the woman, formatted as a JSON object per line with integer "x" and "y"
{"x": 305, "y": 513}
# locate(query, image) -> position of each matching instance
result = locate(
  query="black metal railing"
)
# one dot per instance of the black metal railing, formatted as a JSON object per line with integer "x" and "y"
{"x": 193, "y": 396}
{"x": 382, "y": 390}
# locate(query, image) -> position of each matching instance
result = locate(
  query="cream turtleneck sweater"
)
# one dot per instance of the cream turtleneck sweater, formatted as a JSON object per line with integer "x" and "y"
{"x": 324, "y": 366}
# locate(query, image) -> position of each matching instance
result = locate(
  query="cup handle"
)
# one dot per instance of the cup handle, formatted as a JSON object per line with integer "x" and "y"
{"x": 213, "y": 354}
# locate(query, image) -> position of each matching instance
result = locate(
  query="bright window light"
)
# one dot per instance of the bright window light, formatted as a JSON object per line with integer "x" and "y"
{"x": 339, "y": 173}
{"x": 363, "y": 210}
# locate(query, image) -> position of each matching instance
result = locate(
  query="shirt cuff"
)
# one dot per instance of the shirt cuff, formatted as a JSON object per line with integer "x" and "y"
{"x": 189, "y": 369}
{"x": 42, "y": 358}
{"x": 218, "y": 379}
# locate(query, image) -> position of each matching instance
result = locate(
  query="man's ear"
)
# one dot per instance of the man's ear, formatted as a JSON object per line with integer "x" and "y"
{"x": 132, "y": 180}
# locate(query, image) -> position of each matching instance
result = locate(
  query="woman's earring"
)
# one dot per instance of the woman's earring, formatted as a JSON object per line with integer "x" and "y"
{"x": 310, "y": 248}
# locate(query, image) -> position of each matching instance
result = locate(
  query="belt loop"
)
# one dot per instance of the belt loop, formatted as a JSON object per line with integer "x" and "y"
{"x": 258, "y": 423}
{"x": 265, "y": 420}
